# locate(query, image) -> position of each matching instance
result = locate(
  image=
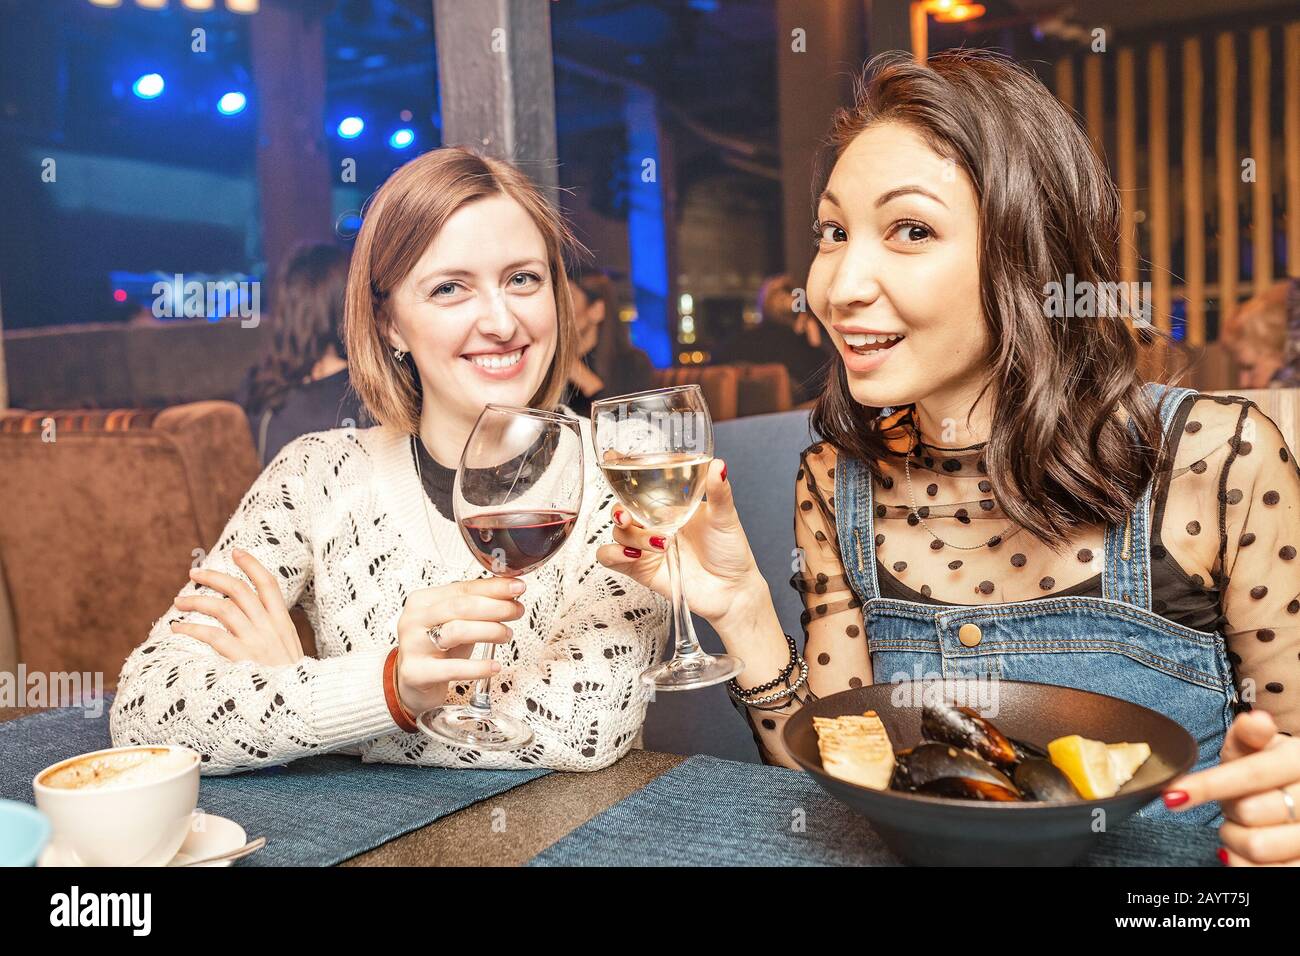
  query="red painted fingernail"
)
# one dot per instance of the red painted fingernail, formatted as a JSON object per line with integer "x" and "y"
{"x": 618, "y": 516}
{"x": 1176, "y": 798}
{"x": 724, "y": 471}
{"x": 632, "y": 552}
{"x": 657, "y": 542}
{"x": 1223, "y": 856}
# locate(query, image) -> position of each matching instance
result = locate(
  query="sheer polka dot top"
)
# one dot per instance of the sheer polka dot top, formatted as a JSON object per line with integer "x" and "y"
{"x": 1224, "y": 544}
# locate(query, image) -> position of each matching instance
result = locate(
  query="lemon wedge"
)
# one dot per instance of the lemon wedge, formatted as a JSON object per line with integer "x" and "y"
{"x": 1125, "y": 759}
{"x": 1096, "y": 769}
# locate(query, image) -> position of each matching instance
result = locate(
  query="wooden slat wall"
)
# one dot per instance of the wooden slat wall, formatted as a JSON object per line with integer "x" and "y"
{"x": 1092, "y": 102}
{"x": 1065, "y": 82}
{"x": 1126, "y": 156}
{"x": 1228, "y": 169}
{"x": 1201, "y": 175}
{"x": 1158, "y": 173}
{"x": 1261, "y": 148}
{"x": 1291, "y": 143}
{"x": 1193, "y": 192}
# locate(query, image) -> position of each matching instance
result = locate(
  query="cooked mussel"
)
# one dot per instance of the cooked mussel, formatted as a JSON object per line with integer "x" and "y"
{"x": 945, "y": 770}
{"x": 1039, "y": 779}
{"x": 1026, "y": 750}
{"x": 964, "y": 728}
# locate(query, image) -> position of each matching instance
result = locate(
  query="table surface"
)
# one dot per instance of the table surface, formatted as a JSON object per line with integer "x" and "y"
{"x": 512, "y": 827}
{"x": 536, "y": 814}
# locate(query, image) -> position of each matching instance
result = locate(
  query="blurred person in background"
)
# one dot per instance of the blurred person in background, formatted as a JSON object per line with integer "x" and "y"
{"x": 1263, "y": 338}
{"x": 786, "y": 335}
{"x": 301, "y": 385}
{"x": 607, "y": 363}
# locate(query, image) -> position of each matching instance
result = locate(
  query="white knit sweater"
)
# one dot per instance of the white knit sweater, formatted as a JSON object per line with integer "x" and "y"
{"x": 338, "y": 517}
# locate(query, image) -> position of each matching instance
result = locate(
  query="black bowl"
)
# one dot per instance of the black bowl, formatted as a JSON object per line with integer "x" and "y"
{"x": 943, "y": 831}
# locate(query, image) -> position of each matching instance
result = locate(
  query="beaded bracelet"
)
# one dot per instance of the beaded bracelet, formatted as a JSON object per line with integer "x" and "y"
{"x": 784, "y": 705}
{"x": 781, "y": 678}
{"x": 787, "y": 691}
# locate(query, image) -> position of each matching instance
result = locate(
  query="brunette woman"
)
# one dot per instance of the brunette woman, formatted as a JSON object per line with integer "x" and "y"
{"x": 995, "y": 492}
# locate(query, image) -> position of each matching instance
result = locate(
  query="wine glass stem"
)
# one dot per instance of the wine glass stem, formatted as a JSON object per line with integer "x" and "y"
{"x": 482, "y": 699}
{"x": 683, "y": 629}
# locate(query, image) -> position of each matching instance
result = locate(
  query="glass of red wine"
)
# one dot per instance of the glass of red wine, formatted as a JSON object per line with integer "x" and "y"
{"x": 517, "y": 494}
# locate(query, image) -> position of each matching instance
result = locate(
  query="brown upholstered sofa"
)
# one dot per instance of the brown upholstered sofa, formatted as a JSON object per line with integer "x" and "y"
{"x": 101, "y": 515}
{"x": 734, "y": 391}
{"x": 130, "y": 366}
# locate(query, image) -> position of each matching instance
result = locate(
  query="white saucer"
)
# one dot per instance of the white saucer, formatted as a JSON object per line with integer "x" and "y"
{"x": 209, "y": 835}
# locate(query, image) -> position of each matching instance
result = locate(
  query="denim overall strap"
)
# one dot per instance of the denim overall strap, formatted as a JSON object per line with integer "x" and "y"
{"x": 854, "y": 525}
{"x": 1127, "y": 575}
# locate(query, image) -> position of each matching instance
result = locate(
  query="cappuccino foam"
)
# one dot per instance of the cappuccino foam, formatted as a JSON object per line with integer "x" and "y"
{"x": 120, "y": 769}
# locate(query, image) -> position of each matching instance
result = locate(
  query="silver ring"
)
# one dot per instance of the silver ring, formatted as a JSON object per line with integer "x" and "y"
{"x": 435, "y": 635}
{"x": 1290, "y": 803}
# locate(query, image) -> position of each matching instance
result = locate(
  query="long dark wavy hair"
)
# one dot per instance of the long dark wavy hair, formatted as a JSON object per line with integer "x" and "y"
{"x": 1060, "y": 452}
{"x": 307, "y": 312}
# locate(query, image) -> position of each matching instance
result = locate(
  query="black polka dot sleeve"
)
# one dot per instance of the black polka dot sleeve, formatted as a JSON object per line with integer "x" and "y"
{"x": 835, "y": 643}
{"x": 1258, "y": 513}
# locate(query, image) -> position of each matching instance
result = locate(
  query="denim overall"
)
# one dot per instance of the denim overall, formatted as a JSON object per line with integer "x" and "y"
{"x": 1113, "y": 644}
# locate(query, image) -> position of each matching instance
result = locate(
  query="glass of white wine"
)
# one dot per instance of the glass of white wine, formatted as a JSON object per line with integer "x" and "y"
{"x": 655, "y": 449}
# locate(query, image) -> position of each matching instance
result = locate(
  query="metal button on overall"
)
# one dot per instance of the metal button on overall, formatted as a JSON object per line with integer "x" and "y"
{"x": 969, "y": 634}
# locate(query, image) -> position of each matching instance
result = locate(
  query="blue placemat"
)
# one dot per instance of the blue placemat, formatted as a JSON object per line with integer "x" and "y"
{"x": 316, "y": 811}
{"x": 712, "y": 812}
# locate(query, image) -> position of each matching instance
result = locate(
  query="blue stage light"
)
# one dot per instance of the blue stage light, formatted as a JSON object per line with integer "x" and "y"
{"x": 401, "y": 139}
{"x": 351, "y": 126}
{"x": 148, "y": 86}
{"x": 232, "y": 103}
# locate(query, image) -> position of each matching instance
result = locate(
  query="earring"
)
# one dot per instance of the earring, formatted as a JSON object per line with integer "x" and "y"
{"x": 399, "y": 354}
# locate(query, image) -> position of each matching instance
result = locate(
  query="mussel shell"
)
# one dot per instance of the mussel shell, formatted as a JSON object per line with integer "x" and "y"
{"x": 963, "y": 727}
{"x": 946, "y": 770}
{"x": 1039, "y": 779}
{"x": 1026, "y": 750}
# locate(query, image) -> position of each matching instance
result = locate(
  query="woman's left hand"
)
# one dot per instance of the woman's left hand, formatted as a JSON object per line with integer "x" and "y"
{"x": 257, "y": 628}
{"x": 1257, "y": 764}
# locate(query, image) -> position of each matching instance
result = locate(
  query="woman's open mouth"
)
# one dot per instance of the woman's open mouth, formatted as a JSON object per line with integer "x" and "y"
{"x": 498, "y": 366}
{"x": 865, "y": 351}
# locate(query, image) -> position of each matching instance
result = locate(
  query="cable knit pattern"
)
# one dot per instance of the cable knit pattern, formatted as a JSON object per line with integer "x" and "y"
{"x": 338, "y": 517}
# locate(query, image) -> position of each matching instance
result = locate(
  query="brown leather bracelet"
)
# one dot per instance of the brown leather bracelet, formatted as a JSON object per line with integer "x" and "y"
{"x": 401, "y": 716}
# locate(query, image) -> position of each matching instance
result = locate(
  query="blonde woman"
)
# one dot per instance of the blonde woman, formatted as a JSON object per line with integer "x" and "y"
{"x": 456, "y": 298}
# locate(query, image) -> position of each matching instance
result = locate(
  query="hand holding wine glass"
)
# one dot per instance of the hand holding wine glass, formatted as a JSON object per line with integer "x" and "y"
{"x": 656, "y": 449}
{"x": 466, "y": 613}
{"x": 517, "y": 494}
{"x": 719, "y": 573}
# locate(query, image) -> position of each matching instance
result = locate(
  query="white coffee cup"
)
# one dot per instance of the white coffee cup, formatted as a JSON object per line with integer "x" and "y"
{"x": 124, "y": 806}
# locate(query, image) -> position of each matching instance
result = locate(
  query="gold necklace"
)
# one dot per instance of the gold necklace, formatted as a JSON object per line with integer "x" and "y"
{"x": 992, "y": 542}
{"x": 424, "y": 499}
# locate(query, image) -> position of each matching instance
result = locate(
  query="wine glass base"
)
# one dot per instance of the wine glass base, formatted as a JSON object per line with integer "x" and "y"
{"x": 689, "y": 673}
{"x": 462, "y": 726}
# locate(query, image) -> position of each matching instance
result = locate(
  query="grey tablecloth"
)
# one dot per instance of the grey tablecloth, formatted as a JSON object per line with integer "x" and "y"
{"x": 711, "y": 812}
{"x": 316, "y": 811}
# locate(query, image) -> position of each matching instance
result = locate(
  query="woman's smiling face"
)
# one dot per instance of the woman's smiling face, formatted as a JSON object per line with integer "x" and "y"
{"x": 896, "y": 276}
{"x": 478, "y": 313}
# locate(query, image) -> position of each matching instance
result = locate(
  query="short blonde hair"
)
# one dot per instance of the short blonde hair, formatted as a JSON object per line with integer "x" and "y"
{"x": 400, "y": 221}
{"x": 1259, "y": 324}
